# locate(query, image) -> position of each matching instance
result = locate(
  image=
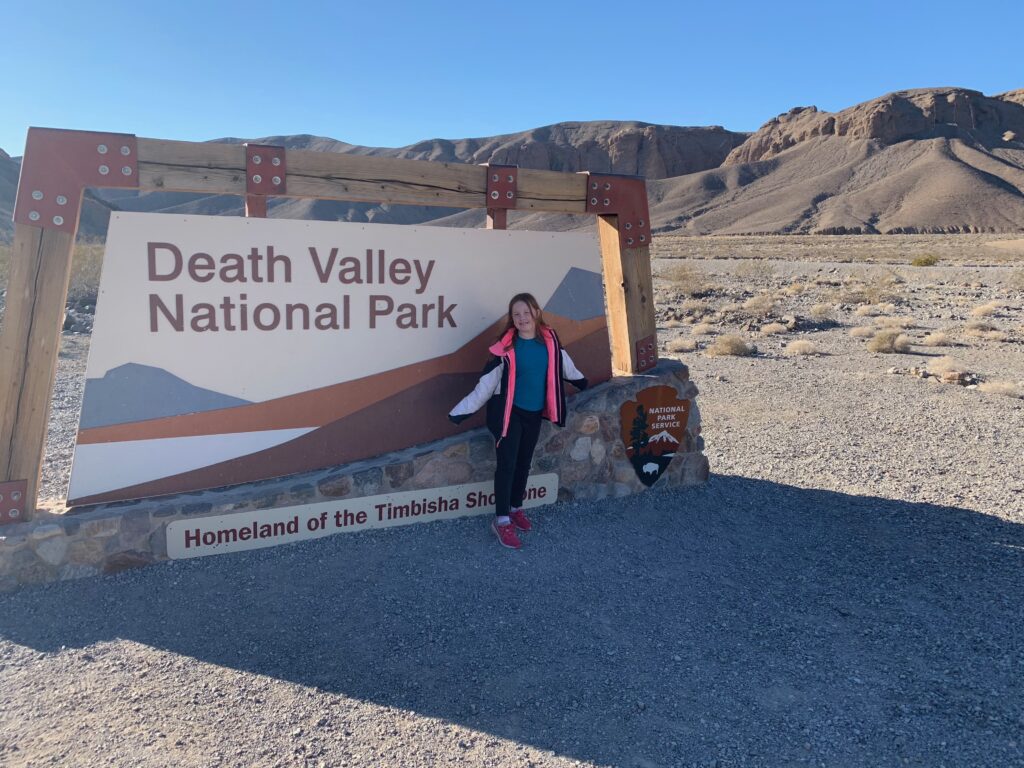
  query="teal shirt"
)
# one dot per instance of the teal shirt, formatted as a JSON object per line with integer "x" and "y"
{"x": 531, "y": 374}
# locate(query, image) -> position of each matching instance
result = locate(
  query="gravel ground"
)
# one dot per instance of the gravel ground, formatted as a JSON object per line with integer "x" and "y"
{"x": 846, "y": 590}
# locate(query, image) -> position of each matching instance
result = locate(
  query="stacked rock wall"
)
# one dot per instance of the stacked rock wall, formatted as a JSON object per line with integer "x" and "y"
{"x": 588, "y": 456}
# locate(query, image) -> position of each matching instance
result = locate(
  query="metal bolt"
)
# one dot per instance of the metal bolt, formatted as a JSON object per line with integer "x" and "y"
{"x": 494, "y": 195}
{"x": 104, "y": 170}
{"x": 58, "y": 220}
{"x": 126, "y": 150}
{"x": 628, "y": 225}
{"x": 256, "y": 159}
{"x": 629, "y": 241}
{"x": 607, "y": 202}
{"x": 61, "y": 200}
{"x": 256, "y": 178}
{"x": 126, "y": 170}
{"x": 607, "y": 185}
{"x": 643, "y": 238}
{"x": 640, "y": 223}
{"x": 511, "y": 178}
{"x": 16, "y": 496}
{"x": 509, "y": 194}
{"x": 594, "y": 185}
{"x": 33, "y": 215}
{"x": 275, "y": 161}
{"x": 593, "y": 201}
{"x": 15, "y": 513}
{"x": 495, "y": 177}
{"x": 37, "y": 195}
{"x": 102, "y": 149}
{"x": 276, "y": 180}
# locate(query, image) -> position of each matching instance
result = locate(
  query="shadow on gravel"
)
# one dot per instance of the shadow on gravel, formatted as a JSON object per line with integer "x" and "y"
{"x": 746, "y": 621}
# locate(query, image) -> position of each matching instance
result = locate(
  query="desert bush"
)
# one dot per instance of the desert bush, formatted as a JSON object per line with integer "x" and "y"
{"x": 759, "y": 306}
{"x": 986, "y": 310}
{"x": 862, "y": 331}
{"x": 937, "y": 339}
{"x": 821, "y": 311}
{"x": 980, "y": 329}
{"x": 772, "y": 328}
{"x": 924, "y": 261}
{"x": 702, "y": 329}
{"x": 696, "y": 307}
{"x": 889, "y": 341}
{"x": 801, "y": 347}
{"x": 872, "y": 310}
{"x": 687, "y": 280}
{"x": 1005, "y": 388}
{"x": 730, "y": 345}
{"x": 681, "y": 345}
{"x": 945, "y": 364}
{"x": 795, "y": 289}
{"x": 673, "y": 323}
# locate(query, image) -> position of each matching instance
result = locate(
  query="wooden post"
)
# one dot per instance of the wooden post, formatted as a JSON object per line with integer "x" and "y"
{"x": 629, "y": 292}
{"x": 29, "y": 341}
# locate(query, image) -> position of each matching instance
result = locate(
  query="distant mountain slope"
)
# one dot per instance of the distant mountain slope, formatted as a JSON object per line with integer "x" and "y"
{"x": 655, "y": 151}
{"x": 929, "y": 160}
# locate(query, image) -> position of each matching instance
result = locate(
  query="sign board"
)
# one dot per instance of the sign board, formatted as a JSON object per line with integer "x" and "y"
{"x": 227, "y": 350}
{"x": 654, "y": 430}
{"x": 269, "y": 527}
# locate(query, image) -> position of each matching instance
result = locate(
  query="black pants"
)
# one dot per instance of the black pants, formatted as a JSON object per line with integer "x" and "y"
{"x": 515, "y": 454}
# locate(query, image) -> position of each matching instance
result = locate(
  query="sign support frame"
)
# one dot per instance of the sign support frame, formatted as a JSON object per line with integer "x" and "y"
{"x": 59, "y": 164}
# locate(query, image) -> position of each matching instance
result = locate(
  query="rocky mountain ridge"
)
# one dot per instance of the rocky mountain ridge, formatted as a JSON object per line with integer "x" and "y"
{"x": 923, "y": 160}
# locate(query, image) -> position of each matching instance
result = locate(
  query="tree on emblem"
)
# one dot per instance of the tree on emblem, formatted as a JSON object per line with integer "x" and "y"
{"x": 638, "y": 435}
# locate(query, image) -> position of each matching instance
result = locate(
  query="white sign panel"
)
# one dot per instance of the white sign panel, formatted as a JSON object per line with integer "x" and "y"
{"x": 267, "y": 528}
{"x": 227, "y": 350}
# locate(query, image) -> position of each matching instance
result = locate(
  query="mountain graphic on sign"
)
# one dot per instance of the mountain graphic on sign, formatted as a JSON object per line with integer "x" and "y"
{"x": 663, "y": 437}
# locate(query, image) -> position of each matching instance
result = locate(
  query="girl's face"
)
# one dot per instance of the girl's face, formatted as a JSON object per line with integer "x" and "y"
{"x": 524, "y": 320}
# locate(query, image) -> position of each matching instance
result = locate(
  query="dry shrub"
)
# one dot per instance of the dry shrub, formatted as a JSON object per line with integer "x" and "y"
{"x": 937, "y": 339}
{"x": 894, "y": 322}
{"x": 730, "y": 346}
{"x": 862, "y": 331}
{"x": 696, "y": 307}
{"x": 979, "y": 329}
{"x": 924, "y": 261}
{"x": 759, "y": 306}
{"x": 795, "y": 289}
{"x": 755, "y": 270}
{"x": 1006, "y": 388}
{"x": 85, "y": 273}
{"x": 994, "y": 336}
{"x": 687, "y": 280}
{"x": 882, "y": 286}
{"x": 772, "y": 328}
{"x": 821, "y": 311}
{"x": 703, "y": 329}
{"x": 801, "y": 347}
{"x": 681, "y": 345}
{"x": 873, "y": 310}
{"x": 986, "y": 310}
{"x": 673, "y": 323}
{"x": 889, "y": 341}
{"x": 946, "y": 364}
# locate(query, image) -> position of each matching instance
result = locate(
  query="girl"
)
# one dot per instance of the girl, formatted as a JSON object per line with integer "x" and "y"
{"x": 520, "y": 385}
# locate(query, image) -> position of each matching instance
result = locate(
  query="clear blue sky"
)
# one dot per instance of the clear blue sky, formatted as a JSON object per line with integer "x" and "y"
{"x": 391, "y": 73}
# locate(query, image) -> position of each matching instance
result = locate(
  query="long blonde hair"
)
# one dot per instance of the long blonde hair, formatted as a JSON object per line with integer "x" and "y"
{"x": 528, "y": 300}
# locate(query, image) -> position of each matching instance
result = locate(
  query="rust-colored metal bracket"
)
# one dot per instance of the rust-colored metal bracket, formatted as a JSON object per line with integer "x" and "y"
{"x": 625, "y": 197}
{"x": 646, "y": 354}
{"x": 58, "y": 165}
{"x": 502, "y": 194}
{"x": 265, "y": 174}
{"x": 12, "y": 502}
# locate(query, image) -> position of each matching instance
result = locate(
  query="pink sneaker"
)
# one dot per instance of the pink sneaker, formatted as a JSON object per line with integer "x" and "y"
{"x": 520, "y": 520}
{"x": 506, "y": 535}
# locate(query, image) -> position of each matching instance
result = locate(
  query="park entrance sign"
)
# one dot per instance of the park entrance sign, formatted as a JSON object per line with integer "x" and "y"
{"x": 192, "y": 301}
{"x": 228, "y": 350}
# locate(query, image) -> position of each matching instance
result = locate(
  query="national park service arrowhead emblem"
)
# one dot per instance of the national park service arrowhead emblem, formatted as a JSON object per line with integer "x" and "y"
{"x": 653, "y": 430}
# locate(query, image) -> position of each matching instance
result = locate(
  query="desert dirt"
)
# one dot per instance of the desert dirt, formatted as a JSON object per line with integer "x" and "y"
{"x": 845, "y": 590}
